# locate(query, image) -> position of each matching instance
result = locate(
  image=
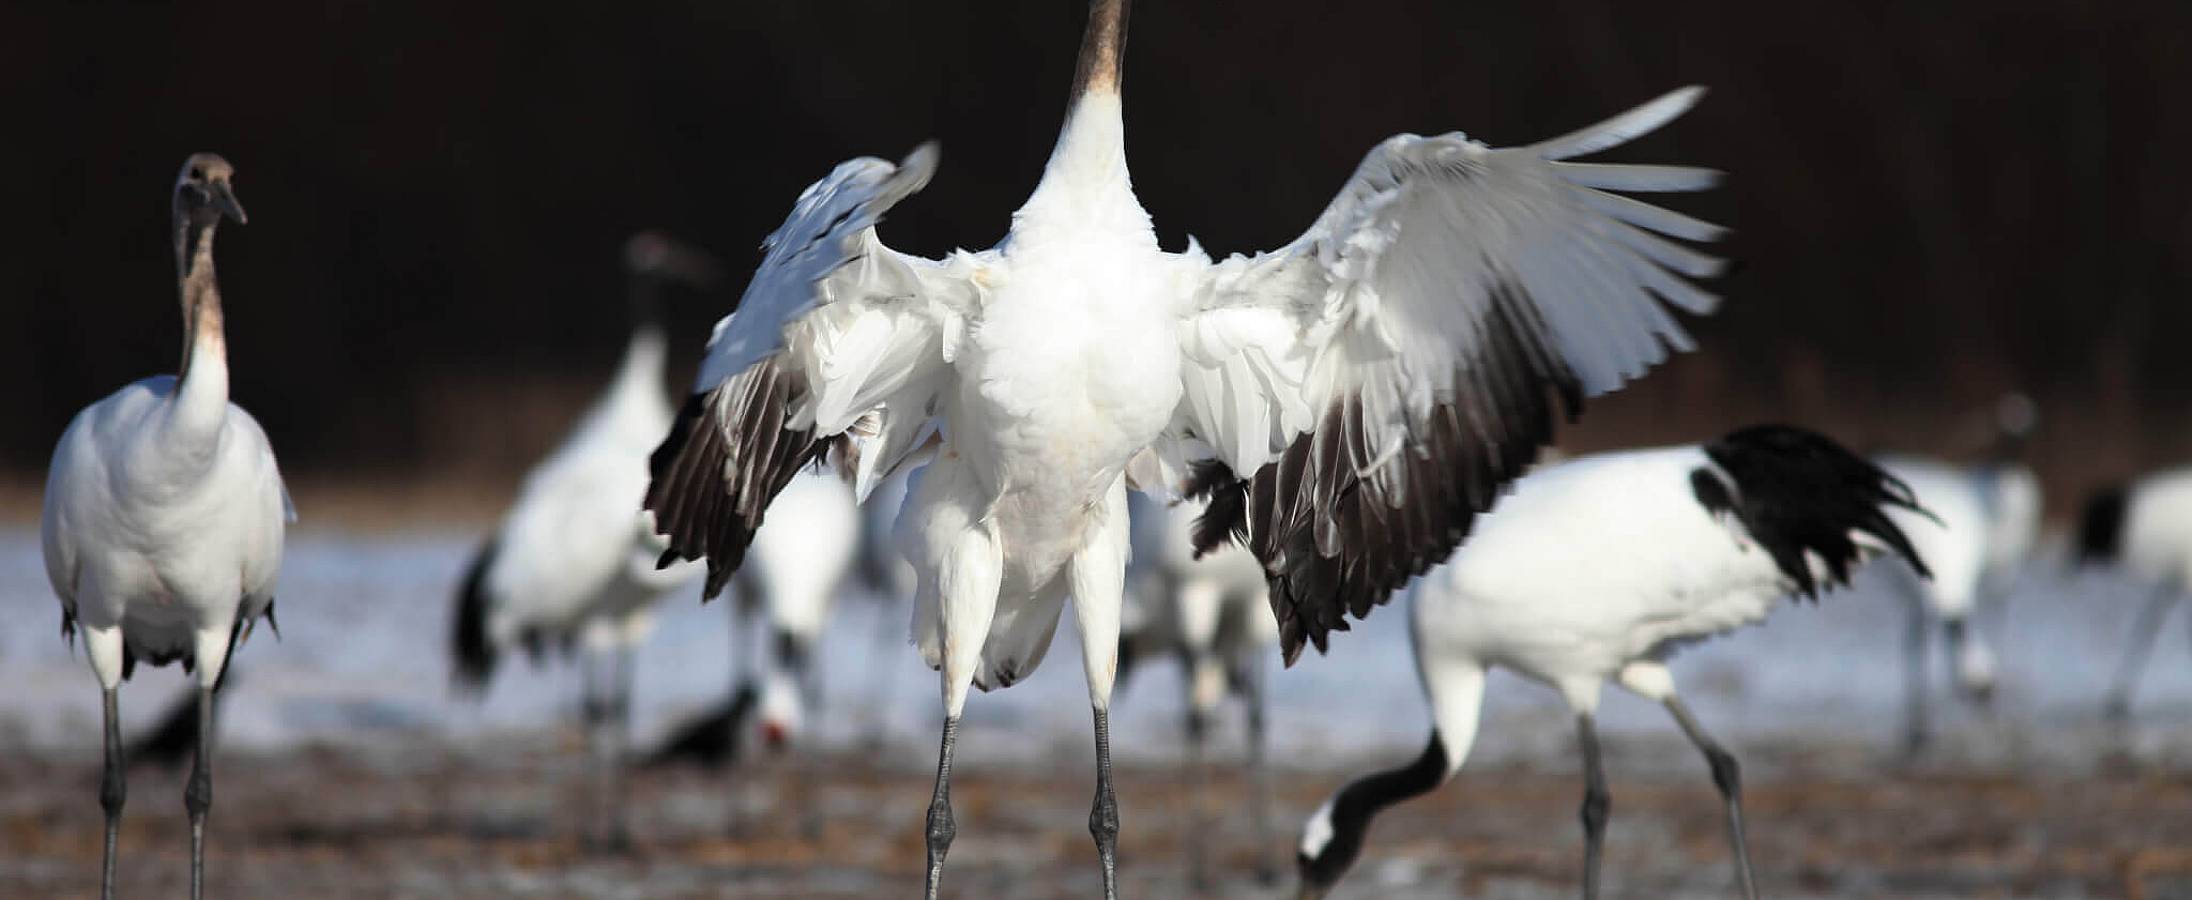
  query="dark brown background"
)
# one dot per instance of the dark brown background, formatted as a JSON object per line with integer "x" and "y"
{"x": 1934, "y": 202}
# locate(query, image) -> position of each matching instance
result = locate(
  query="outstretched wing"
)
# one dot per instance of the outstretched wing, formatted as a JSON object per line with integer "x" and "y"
{"x": 1380, "y": 379}
{"x": 834, "y": 325}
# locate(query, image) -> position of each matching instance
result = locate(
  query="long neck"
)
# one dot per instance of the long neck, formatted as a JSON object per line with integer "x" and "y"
{"x": 1351, "y": 810}
{"x": 1086, "y": 179}
{"x": 204, "y": 370}
{"x": 648, "y": 351}
{"x": 1103, "y": 44}
{"x": 1363, "y": 799}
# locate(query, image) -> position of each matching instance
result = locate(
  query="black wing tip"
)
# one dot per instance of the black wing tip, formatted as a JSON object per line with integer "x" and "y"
{"x": 471, "y": 647}
{"x": 2101, "y": 524}
{"x": 728, "y": 454}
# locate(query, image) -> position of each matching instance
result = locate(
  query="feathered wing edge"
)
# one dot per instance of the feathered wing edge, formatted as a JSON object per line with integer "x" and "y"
{"x": 728, "y": 454}
{"x": 1331, "y": 544}
{"x": 1339, "y": 527}
{"x": 752, "y": 424}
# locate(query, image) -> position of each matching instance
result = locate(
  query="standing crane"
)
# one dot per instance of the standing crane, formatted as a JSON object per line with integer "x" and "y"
{"x": 164, "y": 516}
{"x": 572, "y": 564}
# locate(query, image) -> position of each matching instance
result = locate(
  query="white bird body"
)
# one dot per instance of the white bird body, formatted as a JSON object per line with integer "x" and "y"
{"x": 575, "y": 565}
{"x": 575, "y": 556}
{"x": 1980, "y": 526}
{"x": 1601, "y": 568}
{"x": 1590, "y": 566}
{"x": 798, "y": 564}
{"x": 800, "y": 559}
{"x": 1984, "y": 523}
{"x": 1074, "y": 371}
{"x": 164, "y": 518}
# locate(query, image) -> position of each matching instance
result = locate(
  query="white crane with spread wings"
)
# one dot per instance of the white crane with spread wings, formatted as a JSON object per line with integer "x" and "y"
{"x": 1359, "y": 393}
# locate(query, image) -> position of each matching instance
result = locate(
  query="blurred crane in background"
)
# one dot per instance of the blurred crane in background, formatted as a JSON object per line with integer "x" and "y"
{"x": 573, "y": 564}
{"x": 1212, "y": 613}
{"x": 1979, "y": 527}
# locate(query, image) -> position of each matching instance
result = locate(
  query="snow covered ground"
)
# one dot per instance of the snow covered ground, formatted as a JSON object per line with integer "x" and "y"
{"x": 363, "y": 660}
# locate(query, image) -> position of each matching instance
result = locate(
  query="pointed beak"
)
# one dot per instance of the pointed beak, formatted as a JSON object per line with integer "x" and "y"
{"x": 223, "y": 201}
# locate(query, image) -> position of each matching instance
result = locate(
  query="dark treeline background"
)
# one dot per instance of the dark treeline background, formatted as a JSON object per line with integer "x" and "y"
{"x": 1934, "y": 202}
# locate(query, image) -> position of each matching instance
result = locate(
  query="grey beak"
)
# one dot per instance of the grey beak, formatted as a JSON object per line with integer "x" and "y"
{"x": 224, "y": 201}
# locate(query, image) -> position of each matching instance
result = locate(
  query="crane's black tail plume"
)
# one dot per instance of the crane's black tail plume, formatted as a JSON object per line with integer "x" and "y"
{"x": 2101, "y": 527}
{"x": 1802, "y": 496}
{"x": 473, "y": 651}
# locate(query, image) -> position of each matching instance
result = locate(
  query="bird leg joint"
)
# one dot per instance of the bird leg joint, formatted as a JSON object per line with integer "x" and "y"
{"x": 1596, "y": 804}
{"x": 941, "y": 828}
{"x": 198, "y": 794}
{"x": 1103, "y": 817}
{"x": 1726, "y": 774}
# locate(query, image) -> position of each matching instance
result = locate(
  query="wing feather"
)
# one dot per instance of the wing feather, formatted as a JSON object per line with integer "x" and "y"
{"x": 834, "y": 328}
{"x": 1380, "y": 379}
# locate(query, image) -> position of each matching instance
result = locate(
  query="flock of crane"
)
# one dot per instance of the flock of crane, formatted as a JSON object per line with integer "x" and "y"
{"x": 1310, "y": 430}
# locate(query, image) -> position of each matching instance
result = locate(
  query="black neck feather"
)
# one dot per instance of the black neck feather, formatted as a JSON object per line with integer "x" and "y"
{"x": 1361, "y": 801}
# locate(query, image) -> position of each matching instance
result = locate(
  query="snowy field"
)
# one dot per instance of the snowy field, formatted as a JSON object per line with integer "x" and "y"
{"x": 363, "y": 660}
{"x": 349, "y": 769}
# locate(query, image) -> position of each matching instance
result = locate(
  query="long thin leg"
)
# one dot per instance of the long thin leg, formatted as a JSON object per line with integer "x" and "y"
{"x": 593, "y": 708}
{"x": 1972, "y": 663}
{"x": 1596, "y": 803}
{"x": 198, "y": 794}
{"x": 1915, "y": 639}
{"x": 609, "y": 740}
{"x": 963, "y": 584}
{"x": 1097, "y": 578}
{"x": 1192, "y": 799}
{"x": 113, "y": 789}
{"x": 2134, "y": 658}
{"x": 1103, "y": 815}
{"x": 743, "y": 650}
{"x": 1259, "y": 766}
{"x": 941, "y": 827}
{"x": 1727, "y": 776}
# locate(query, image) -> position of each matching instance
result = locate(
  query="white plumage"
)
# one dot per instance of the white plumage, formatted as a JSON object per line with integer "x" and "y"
{"x": 574, "y": 561}
{"x": 1984, "y": 520}
{"x": 164, "y": 512}
{"x": 797, "y": 568}
{"x": 2145, "y": 527}
{"x": 1373, "y": 382}
{"x": 574, "y": 554}
{"x": 1598, "y": 570}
